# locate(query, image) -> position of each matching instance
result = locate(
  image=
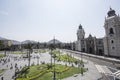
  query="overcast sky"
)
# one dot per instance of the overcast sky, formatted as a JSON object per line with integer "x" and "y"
{"x": 41, "y": 20}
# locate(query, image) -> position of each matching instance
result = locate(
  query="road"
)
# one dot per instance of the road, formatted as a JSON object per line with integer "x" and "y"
{"x": 102, "y": 63}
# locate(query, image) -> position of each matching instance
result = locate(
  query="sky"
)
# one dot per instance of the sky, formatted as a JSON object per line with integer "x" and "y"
{"x": 41, "y": 20}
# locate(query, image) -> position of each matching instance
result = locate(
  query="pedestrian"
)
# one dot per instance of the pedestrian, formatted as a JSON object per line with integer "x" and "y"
{"x": 15, "y": 65}
{"x": 2, "y": 78}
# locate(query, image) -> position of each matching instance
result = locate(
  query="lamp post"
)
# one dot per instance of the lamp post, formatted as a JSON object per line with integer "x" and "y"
{"x": 51, "y": 56}
{"x": 38, "y": 60}
{"x": 54, "y": 77}
{"x": 15, "y": 75}
{"x": 29, "y": 52}
{"x": 81, "y": 65}
{"x": 52, "y": 47}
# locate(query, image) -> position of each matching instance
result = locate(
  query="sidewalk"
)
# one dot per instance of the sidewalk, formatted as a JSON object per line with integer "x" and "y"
{"x": 91, "y": 74}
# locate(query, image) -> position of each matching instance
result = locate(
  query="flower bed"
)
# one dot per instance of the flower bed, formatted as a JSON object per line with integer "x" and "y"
{"x": 43, "y": 72}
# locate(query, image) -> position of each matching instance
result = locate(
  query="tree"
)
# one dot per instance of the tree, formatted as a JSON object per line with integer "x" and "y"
{"x": 29, "y": 47}
{"x": 51, "y": 47}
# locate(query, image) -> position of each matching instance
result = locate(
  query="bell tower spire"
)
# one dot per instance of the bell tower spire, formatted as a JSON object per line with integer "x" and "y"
{"x": 111, "y": 12}
{"x": 80, "y": 32}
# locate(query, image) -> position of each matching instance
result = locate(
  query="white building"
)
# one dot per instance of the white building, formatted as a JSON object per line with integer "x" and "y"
{"x": 109, "y": 45}
{"x": 90, "y": 44}
{"x": 112, "y": 37}
{"x": 80, "y": 38}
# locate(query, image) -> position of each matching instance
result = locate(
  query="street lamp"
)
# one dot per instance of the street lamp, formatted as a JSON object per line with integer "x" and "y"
{"x": 81, "y": 65}
{"x": 54, "y": 77}
{"x": 52, "y": 47}
{"x": 38, "y": 60}
{"x": 29, "y": 52}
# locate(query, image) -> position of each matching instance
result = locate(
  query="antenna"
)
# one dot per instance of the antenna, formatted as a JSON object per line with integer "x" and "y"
{"x": 54, "y": 39}
{"x": 110, "y": 8}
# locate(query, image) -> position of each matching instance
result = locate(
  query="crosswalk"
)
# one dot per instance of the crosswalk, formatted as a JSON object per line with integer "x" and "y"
{"x": 100, "y": 69}
{"x": 117, "y": 74}
{"x": 104, "y": 70}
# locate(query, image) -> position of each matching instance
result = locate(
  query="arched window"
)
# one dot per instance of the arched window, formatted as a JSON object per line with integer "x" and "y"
{"x": 112, "y": 41}
{"x": 111, "y": 31}
{"x": 113, "y": 47}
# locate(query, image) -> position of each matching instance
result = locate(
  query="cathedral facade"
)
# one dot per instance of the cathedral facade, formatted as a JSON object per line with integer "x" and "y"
{"x": 108, "y": 45}
{"x": 90, "y": 44}
{"x": 112, "y": 37}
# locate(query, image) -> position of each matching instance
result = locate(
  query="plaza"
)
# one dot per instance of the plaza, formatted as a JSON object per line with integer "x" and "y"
{"x": 14, "y": 62}
{"x": 17, "y": 59}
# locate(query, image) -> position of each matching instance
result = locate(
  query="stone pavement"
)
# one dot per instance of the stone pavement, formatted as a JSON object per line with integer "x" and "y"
{"x": 9, "y": 73}
{"x": 91, "y": 74}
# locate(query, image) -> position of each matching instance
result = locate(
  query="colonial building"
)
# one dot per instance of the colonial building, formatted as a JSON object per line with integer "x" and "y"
{"x": 90, "y": 44}
{"x": 109, "y": 45}
{"x": 80, "y": 39}
{"x": 4, "y": 44}
{"x": 112, "y": 37}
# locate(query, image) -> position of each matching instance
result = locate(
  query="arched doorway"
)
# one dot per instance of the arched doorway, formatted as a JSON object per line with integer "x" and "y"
{"x": 90, "y": 50}
{"x": 100, "y": 52}
{"x": 83, "y": 49}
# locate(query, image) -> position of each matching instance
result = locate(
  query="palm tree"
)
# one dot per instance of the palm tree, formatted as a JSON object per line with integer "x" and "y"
{"x": 29, "y": 47}
{"x": 54, "y": 56}
{"x": 51, "y": 47}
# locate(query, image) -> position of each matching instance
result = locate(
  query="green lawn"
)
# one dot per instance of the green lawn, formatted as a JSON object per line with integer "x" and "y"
{"x": 47, "y": 74}
{"x": 2, "y": 55}
{"x": 65, "y": 58}
{"x": 40, "y": 51}
{"x": 1, "y": 71}
{"x": 68, "y": 73}
{"x": 18, "y": 52}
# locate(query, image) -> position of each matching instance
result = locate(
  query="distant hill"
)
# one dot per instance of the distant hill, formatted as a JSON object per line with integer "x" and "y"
{"x": 54, "y": 41}
{"x": 28, "y": 41}
{"x": 14, "y": 42}
{"x": 1, "y": 38}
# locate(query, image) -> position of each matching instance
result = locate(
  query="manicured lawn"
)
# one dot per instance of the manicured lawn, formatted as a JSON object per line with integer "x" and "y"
{"x": 1, "y": 71}
{"x": 57, "y": 52}
{"x": 42, "y": 51}
{"x": 18, "y": 52}
{"x": 61, "y": 72}
{"x": 68, "y": 73}
{"x": 2, "y": 55}
{"x": 45, "y": 71}
{"x": 65, "y": 57}
{"x": 34, "y": 70}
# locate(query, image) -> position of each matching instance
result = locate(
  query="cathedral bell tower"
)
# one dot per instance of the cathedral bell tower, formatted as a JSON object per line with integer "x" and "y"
{"x": 80, "y": 37}
{"x": 112, "y": 37}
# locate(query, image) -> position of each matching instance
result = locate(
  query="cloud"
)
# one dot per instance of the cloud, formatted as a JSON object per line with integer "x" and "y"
{"x": 4, "y": 13}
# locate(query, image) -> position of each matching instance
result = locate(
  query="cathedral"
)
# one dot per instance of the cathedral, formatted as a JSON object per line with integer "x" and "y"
{"x": 106, "y": 46}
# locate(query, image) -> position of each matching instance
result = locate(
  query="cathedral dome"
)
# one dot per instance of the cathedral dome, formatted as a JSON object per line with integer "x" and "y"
{"x": 90, "y": 36}
{"x": 111, "y": 12}
{"x": 80, "y": 26}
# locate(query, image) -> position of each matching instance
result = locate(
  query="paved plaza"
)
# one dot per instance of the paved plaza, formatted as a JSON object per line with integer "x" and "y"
{"x": 93, "y": 72}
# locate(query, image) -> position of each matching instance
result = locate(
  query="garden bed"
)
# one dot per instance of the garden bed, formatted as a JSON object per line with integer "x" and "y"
{"x": 42, "y": 72}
